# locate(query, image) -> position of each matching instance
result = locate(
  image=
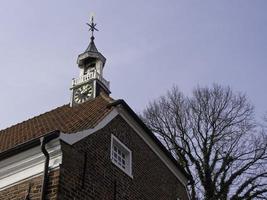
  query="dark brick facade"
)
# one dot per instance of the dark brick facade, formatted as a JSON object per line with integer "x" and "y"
{"x": 88, "y": 173}
{"x": 20, "y": 191}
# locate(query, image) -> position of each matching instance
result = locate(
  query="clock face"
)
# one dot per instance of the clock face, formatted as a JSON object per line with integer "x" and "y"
{"x": 83, "y": 93}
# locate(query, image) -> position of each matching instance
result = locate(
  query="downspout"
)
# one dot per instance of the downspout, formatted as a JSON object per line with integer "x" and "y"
{"x": 44, "y": 140}
{"x": 46, "y": 166}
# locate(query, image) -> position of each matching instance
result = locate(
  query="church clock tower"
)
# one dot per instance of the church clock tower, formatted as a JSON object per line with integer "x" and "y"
{"x": 90, "y": 82}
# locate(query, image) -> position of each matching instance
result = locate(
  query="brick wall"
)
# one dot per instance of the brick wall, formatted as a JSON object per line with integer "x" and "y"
{"x": 20, "y": 191}
{"x": 88, "y": 173}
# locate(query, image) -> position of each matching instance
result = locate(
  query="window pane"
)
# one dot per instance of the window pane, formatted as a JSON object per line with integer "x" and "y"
{"x": 120, "y": 156}
{"x": 115, "y": 155}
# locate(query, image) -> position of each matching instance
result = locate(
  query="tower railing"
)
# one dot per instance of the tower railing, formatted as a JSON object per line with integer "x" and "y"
{"x": 91, "y": 75}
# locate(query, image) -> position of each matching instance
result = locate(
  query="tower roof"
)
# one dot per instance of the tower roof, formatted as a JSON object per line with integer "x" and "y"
{"x": 91, "y": 47}
{"x": 91, "y": 51}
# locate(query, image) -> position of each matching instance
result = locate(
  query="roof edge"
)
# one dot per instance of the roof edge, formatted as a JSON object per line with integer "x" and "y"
{"x": 150, "y": 133}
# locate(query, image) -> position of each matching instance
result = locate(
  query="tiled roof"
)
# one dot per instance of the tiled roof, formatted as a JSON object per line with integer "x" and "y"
{"x": 65, "y": 119}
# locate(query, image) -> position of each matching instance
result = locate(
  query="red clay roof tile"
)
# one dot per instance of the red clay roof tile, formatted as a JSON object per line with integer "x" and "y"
{"x": 65, "y": 118}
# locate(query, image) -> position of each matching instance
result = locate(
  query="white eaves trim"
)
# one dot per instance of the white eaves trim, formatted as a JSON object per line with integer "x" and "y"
{"x": 28, "y": 164}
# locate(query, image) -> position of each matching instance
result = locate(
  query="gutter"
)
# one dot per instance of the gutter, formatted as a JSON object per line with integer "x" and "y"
{"x": 27, "y": 145}
{"x": 44, "y": 140}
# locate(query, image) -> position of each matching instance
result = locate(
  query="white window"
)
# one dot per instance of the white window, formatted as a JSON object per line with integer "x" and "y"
{"x": 121, "y": 156}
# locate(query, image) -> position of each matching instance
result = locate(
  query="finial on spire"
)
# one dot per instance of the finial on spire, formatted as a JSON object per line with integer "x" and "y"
{"x": 92, "y": 26}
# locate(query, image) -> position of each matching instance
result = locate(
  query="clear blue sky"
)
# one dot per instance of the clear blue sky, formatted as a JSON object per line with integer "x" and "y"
{"x": 149, "y": 45}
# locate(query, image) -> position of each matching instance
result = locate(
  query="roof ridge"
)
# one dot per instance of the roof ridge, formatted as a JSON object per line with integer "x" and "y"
{"x": 105, "y": 97}
{"x": 63, "y": 118}
{"x": 31, "y": 118}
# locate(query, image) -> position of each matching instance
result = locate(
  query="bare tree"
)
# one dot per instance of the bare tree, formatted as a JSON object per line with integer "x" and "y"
{"x": 214, "y": 136}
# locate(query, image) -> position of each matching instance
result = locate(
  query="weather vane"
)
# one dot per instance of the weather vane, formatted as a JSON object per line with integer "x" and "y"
{"x": 92, "y": 26}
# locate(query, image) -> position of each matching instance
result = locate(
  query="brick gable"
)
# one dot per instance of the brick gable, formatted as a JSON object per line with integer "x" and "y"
{"x": 88, "y": 173}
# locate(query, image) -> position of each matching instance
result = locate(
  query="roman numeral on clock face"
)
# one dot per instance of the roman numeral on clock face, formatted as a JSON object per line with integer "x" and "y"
{"x": 83, "y": 93}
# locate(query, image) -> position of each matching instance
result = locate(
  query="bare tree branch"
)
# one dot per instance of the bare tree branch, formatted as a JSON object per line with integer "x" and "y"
{"x": 214, "y": 136}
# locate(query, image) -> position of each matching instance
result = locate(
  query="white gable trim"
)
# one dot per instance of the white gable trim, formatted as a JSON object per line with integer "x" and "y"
{"x": 76, "y": 137}
{"x": 28, "y": 164}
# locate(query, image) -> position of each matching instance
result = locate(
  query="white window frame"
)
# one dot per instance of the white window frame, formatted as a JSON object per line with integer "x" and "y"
{"x": 128, "y": 164}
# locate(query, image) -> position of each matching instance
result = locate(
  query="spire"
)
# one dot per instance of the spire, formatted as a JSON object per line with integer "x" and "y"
{"x": 92, "y": 47}
{"x": 91, "y": 51}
